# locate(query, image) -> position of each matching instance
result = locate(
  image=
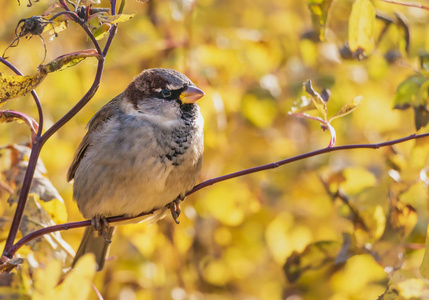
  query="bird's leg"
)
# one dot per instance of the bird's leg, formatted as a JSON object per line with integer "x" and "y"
{"x": 175, "y": 209}
{"x": 100, "y": 225}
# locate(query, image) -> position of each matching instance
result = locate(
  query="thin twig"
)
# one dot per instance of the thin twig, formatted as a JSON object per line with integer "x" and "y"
{"x": 33, "y": 94}
{"x": 417, "y": 5}
{"x": 210, "y": 182}
{"x": 64, "y": 5}
{"x": 113, "y": 7}
{"x": 303, "y": 156}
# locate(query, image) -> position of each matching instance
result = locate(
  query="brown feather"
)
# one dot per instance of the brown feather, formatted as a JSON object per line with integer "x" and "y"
{"x": 104, "y": 114}
{"x": 97, "y": 245}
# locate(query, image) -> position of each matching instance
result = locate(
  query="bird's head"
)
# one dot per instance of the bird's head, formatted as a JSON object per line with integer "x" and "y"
{"x": 163, "y": 95}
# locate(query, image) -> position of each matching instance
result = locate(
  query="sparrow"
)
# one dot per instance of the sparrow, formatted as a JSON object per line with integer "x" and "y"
{"x": 142, "y": 153}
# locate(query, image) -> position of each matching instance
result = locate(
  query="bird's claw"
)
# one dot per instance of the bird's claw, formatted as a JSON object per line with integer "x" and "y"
{"x": 100, "y": 225}
{"x": 175, "y": 209}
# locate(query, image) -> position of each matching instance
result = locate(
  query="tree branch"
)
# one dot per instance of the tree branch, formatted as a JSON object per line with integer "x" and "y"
{"x": 11, "y": 251}
{"x": 303, "y": 156}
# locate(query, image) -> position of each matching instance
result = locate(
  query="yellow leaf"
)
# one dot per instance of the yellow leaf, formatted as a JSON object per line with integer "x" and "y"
{"x": 68, "y": 60}
{"x": 424, "y": 267}
{"x": 412, "y": 288}
{"x": 77, "y": 284}
{"x": 283, "y": 237}
{"x": 361, "y": 26}
{"x": 12, "y": 86}
{"x": 56, "y": 209}
{"x": 379, "y": 220}
{"x": 57, "y": 25}
{"x": 358, "y": 179}
{"x": 116, "y": 18}
{"x": 317, "y": 99}
{"x": 319, "y": 15}
{"x": 348, "y": 108}
{"x": 101, "y": 31}
{"x": 45, "y": 280}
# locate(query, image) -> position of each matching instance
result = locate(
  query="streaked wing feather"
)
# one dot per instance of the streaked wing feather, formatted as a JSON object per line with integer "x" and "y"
{"x": 104, "y": 114}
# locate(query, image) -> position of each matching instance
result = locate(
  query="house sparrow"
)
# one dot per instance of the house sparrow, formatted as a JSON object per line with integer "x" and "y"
{"x": 142, "y": 152}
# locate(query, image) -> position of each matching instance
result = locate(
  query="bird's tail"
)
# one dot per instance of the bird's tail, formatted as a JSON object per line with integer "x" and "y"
{"x": 91, "y": 243}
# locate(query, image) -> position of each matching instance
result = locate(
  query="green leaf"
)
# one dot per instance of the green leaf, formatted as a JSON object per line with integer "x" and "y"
{"x": 319, "y": 15}
{"x": 121, "y": 7}
{"x": 348, "y": 108}
{"x": 101, "y": 31}
{"x": 361, "y": 26}
{"x": 409, "y": 92}
{"x": 116, "y": 18}
{"x": 317, "y": 99}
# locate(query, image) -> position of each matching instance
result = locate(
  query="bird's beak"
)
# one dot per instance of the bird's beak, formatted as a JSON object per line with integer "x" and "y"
{"x": 191, "y": 94}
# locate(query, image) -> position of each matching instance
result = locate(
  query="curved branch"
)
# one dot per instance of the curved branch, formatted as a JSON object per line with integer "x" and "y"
{"x": 75, "y": 109}
{"x": 112, "y": 34}
{"x": 64, "y": 5}
{"x": 210, "y": 182}
{"x": 33, "y": 94}
{"x": 62, "y": 227}
{"x": 82, "y": 24}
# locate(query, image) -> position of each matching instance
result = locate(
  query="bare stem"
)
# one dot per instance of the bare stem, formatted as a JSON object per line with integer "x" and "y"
{"x": 33, "y": 94}
{"x": 210, "y": 182}
{"x": 113, "y": 7}
{"x": 64, "y": 5}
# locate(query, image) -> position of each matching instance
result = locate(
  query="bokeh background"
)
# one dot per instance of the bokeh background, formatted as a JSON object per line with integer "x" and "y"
{"x": 251, "y": 58}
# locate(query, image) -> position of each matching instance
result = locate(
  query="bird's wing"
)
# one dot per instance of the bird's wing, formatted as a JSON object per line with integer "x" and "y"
{"x": 103, "y": 115}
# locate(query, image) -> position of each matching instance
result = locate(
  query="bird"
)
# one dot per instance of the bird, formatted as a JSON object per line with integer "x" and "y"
{"x": 142, "y": 153}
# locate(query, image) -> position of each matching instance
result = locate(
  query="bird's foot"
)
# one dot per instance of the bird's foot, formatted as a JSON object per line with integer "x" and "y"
{"x": 175, "y": 209}
{"x": 100, "y": 225}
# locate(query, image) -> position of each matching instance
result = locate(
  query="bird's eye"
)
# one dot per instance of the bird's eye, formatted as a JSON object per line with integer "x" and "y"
{"x": 166, "y": 93}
